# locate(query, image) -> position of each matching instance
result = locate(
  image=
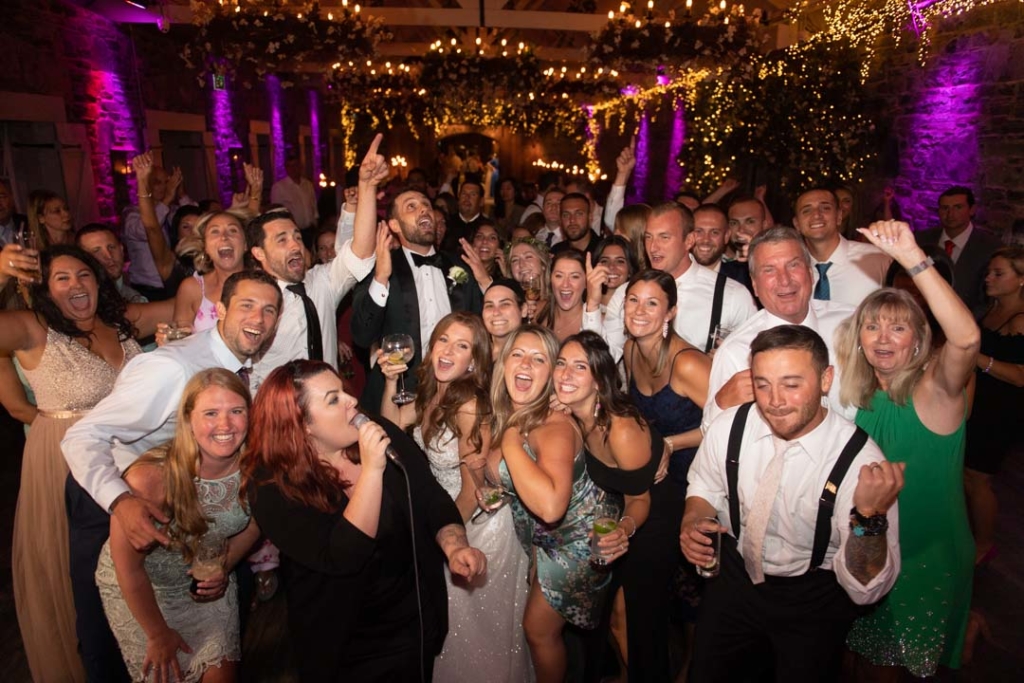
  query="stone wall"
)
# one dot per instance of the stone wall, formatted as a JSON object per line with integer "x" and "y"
{"x": 956, "y": 120}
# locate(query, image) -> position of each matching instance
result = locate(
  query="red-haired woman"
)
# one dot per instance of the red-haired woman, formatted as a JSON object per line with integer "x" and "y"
{"x": 325, "y": 494}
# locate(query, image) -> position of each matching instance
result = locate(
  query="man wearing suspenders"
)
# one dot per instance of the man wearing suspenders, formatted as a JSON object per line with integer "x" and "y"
{"x": 807, "y": 508}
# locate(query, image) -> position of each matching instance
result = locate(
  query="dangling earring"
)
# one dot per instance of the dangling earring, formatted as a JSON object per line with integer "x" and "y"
{"x": 664, "y": 330}
{"x": 597, "y": 408}
{"x": 824, "y": 401}
{"x": 471, "y": 368}
{"x": 917, "y": 350}
{"x": 859, "y": 349}
{"x": 195, "y": 479}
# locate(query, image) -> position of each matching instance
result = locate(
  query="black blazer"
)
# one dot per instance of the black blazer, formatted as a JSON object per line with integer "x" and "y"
{"x": 969, "y": 269}
{"x": 401, "y": 315}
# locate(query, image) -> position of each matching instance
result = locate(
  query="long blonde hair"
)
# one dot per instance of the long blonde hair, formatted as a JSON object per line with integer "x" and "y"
{"x": 179, "y": 459}
{"x": 859, "y": 381}
{"x": 532, "y": 415}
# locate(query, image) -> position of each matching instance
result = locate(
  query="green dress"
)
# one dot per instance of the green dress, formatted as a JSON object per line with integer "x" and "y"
{"x": 560, "y": 552}
{"x": 921, "y": 623}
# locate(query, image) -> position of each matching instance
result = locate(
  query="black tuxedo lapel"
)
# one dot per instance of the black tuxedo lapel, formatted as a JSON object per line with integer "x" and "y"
{"x": 401, "y": 275}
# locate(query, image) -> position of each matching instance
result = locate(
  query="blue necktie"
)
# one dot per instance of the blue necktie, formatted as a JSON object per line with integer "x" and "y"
{"x": 822, "y": 290}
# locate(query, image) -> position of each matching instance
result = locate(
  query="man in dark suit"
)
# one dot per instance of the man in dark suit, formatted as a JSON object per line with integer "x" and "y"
{"x": 464, "y": 223}
{"x": 411, "y": 288}
{"x": 969, "y": 246}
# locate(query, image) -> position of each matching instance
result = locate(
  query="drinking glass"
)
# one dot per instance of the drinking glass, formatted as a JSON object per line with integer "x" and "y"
{"x": 491, "y": 496}
{"x": 398, "y": 349}
{"x": 718, "y": 336}
{"x": 176, "y": 332}
{"x": 27, "y": 239}
{"x": 531, "y": 289}
{"x": 710, "y": 527}
{"x": 606, "y": 520}
{"x": 208, "y": 563}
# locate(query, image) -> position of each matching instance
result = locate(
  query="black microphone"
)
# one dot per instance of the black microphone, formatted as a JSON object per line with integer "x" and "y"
{"x": 358, "y": 420}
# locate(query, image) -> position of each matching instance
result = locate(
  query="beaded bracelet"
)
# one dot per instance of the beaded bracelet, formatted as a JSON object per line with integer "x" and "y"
{"x": 991, "y": 360}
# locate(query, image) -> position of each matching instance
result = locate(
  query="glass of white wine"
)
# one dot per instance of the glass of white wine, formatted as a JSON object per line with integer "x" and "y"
{"x": 398, "y": 349}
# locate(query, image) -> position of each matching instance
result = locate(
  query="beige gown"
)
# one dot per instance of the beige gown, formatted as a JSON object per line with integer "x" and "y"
{"x": 68, "y": 381}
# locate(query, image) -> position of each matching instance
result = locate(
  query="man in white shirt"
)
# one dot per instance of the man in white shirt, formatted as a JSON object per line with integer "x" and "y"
{"x": 781, "y": 274}
{"x": 551, "y": 233}
{"x": 845, "y": 271}
{"x": 139, "y": 414}
{"x": 296, "y": 194}
{"x": 309, "y": 325}
{"x": 668, "y": 239}
{"x": 969, "y": 246}
{"x": 806, "y": 504}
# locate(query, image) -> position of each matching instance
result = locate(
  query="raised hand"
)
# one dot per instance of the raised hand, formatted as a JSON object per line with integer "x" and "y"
{"x": 472, "y": 258}
{"x": 626, "y": 162}
{"x": 174, "y": 181}
{"x": 374, "y": 168}
{"x": 877, "y": 487}
{"x": 143, "y": 165}
{"x": 896, "y": 239}
{"x": 385, "y": 243}
{"x": 596, "y": 277}
{"x": 253, "y": 176}
{"x": 239, "y": 201}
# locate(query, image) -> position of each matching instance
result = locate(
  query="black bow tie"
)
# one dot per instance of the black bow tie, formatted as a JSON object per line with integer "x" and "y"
{"x": 434, "y": 260}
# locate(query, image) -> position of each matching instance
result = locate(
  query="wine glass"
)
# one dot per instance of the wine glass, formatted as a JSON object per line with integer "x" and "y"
{"x": 531, "y": 289}
{"x": 26, "y": 238}
{"x": 398, "y": 349}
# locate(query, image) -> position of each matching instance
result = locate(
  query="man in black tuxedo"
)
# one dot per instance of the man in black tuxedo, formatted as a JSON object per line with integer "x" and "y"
{"x": 465, "y": 221}
{"x": 411, "y": 288}
{"x": 969, "y": 246}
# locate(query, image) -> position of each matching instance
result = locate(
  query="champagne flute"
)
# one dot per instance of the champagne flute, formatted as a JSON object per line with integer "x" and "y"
{"x": 398, "y": 349}
{"x": 531, "y": 289}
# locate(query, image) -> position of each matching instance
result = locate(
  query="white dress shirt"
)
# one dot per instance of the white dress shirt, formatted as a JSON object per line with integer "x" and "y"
{"x": 536, "y": 206}
{"x": 959, "y": 242}
{"x": 346, "y": 224}
{"x": 431, "y": 296}
{"x": 612, "y": 205}
{"x": 857, "y": 270}
{"x": 808, "y": 462}
{"x": 696, "y": 294}
{"x": 298, "y": 197}
{"x": 556, "y": 236}
{"x": 824, "y": 317}
{"x": 140, "y": 412}
{"x": 326, "y": 284}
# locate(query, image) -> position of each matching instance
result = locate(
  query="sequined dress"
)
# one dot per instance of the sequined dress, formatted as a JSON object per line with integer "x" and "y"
{"x": 68, "y": 381}
{"x": 485, "y": 618}
{"x": 921, "y": 623}
{"x": 210, "y": 628}
{"x": 561, "y": 552}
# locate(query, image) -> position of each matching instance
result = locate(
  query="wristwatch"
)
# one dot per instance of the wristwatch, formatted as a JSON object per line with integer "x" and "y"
{"x": 875, "y": 525}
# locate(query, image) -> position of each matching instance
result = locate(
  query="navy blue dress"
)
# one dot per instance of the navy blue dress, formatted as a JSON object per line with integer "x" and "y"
{"x": 670, "y": 413}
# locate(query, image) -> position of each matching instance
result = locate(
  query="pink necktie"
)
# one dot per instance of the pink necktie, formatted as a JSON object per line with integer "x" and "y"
{"x": 760, "y": 511}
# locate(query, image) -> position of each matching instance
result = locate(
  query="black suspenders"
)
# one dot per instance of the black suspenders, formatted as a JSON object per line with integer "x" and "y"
{"x": 827, "y": 502}
{"x": 716, "y": 309}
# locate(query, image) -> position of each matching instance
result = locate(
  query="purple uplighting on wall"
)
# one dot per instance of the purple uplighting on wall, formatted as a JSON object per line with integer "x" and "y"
{"x": 643, "y": 159}
{"x": 673, "y": 171}
{"x": 224, "y": 140}
{"x": 942, "y": 134}
{"x": 111, "y": 126}
{"x": 314, "y": 132}
{"x": 276, "y": 129}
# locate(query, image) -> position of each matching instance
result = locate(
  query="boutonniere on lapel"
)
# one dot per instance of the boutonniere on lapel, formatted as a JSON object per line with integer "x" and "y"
{"x": 457, "y": 276}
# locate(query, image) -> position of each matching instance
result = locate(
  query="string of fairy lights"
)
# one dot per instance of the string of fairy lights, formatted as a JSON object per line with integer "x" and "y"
{"x": 649, "y": 54}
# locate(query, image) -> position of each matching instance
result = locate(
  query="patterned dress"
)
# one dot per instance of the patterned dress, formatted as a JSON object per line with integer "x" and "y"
{"x": 485, "y": 618}
{"x": 68, "y": 382}
{"x": 561, "y": 552}
{"x": 206, "y": 313}
{"x": 210, "y": 628}
{"x": 921, "y": 623}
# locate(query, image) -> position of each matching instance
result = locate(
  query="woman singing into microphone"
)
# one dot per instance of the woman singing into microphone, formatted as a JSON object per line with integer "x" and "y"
{"x": 340, "y": 514}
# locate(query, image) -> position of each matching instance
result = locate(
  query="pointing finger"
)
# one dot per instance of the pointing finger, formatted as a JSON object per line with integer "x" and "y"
{"x": 375, "y": 145}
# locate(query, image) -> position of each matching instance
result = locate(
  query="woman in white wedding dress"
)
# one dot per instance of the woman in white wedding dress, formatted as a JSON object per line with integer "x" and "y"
{"x": 450, "y": 423}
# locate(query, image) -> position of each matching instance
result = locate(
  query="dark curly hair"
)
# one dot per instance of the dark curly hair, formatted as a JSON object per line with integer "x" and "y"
{"x": 110, "y": 307}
